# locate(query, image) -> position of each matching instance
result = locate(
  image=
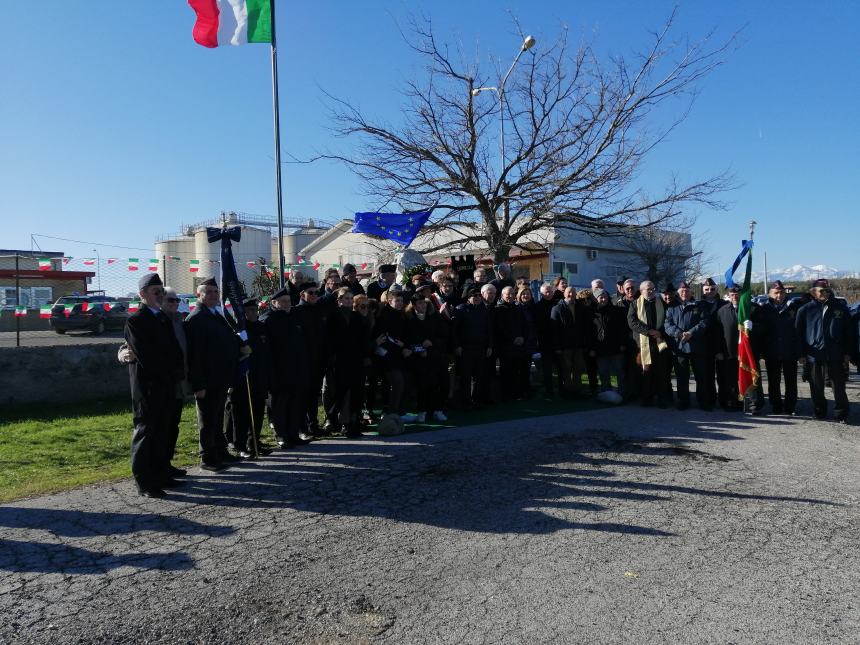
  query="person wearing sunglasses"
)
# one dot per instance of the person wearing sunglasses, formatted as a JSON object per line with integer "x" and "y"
{"x": 154, "y": 373}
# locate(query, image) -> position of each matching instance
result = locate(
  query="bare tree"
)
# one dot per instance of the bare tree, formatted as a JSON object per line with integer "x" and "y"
{"x": 663, "y": 253}
{"x": 578, "y": 131}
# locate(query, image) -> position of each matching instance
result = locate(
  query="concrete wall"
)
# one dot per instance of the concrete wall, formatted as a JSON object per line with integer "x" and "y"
{"x": 59, "y": 374}
{"x": 30, "y": 322}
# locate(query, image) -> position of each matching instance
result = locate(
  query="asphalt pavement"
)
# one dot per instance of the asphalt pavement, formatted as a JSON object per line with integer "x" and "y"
{"x": 625, "y": 525}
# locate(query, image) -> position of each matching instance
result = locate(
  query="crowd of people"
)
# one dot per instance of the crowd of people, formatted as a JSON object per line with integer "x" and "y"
{"x": 445, "y": 340}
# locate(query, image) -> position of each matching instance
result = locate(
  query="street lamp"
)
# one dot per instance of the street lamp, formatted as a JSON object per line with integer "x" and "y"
{"x": 528, "y": 43}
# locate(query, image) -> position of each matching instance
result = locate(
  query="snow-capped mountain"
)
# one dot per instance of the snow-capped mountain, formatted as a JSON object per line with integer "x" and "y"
{"x": 803, "y": 273}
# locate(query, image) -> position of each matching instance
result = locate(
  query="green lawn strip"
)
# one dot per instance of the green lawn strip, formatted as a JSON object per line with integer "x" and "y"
{"x": 49, "y": 448}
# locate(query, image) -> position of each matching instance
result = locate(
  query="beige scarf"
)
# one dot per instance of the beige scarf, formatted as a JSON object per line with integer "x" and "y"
{"x": 645, "y": 339}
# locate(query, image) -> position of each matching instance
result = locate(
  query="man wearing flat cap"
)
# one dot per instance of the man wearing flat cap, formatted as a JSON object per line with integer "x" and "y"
{"x": 781, "y": 348}
{"x": 827, "y": 341}
{"x": 157, "y": 368}
{"x": 387, "y": 275}
{"x": 213, "y": 358}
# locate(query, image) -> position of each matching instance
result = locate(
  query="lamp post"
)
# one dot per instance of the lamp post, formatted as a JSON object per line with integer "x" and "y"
{"x": 528, "y": 43}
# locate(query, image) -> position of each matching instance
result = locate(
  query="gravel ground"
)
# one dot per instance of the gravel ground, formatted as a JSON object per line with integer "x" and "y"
{"x": 609, "y": 526}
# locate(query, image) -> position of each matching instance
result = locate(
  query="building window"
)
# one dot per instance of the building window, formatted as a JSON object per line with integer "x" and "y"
{"x": 591, "y": 254}
{"x": 42, "y": 296}
{"x": 7, "y": 298}
{"x": 565, "y": 268}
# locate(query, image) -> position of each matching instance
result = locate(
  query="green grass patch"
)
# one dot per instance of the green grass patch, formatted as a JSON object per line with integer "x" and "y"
{"x": 46, "y": 448}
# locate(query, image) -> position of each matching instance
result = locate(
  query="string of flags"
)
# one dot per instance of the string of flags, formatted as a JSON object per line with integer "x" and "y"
{"x": 153, "y": 264}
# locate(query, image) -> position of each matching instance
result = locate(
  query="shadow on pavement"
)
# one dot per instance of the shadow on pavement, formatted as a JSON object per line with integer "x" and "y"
{"x": 492, "y": 486}
{"x": 41, "y": 557}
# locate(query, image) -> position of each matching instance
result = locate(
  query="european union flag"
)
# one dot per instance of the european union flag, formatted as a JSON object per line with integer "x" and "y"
{"x": 399, "y": 227}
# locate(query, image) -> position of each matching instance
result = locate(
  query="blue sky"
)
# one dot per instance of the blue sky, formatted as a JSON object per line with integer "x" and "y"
{"x": 115, "y": 127}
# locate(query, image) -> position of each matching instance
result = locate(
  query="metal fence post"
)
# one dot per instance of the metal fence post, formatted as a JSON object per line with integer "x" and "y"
{"x": 17, "y": 301}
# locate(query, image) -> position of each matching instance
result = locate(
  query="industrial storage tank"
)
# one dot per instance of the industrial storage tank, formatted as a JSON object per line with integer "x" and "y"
{"x": 296, "y": 241}
{"x": 173, "y": 255}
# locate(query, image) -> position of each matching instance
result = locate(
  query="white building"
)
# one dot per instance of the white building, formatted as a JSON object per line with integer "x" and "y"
{"x": 577, "y": 256}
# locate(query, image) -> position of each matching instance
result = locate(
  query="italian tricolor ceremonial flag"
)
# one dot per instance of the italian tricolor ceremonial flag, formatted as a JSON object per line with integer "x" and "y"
{"x": 194, "y": 266}
{"x": 44, "y": 264}
{"x": 748, "y": 376}
{"x": 231, "y": 22}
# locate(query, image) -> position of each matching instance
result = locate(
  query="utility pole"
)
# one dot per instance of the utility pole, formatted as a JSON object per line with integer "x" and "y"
{"x": 17, "y": 301}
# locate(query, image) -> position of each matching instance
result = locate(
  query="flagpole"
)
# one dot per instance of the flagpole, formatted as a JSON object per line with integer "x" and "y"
{"x": 276, "y": 112}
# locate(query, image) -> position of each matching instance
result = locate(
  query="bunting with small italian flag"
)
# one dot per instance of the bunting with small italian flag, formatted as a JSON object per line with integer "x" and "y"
{"x": 194, "y": 266}
{"x": 133, "y": 306}
{"x": 20, "y": 310}
{"x": 44, "y": 264}
{"x": 748, "y": 374}
{"x": 45, "y": 311}
{"x": 153, "y": 265}
{"x": 133, "y": 264}
{"x": 250, "y": 265}
{"x": 111, "y": 260}
{"x": 89, "y": 261}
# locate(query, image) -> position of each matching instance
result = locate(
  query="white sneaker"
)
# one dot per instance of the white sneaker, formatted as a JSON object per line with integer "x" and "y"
{"x": 440, "y": 416}
{"x": 422, "y": 417}
{"x": 408, "y": 418}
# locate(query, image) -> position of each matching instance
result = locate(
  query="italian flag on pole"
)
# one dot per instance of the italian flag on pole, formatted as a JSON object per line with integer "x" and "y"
{"x": 748, "y": 376}
{"x": 231, "y": 22}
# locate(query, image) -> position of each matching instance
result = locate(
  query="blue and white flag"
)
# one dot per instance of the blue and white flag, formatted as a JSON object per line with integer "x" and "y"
{"x": 746, "y": 246}
{"x": 398, "y": 227}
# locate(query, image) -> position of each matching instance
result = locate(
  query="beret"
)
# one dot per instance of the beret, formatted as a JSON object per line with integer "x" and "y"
{"x": 149, "y": 280}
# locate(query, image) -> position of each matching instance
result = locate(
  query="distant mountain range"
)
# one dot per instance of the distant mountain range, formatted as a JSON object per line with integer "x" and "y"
{"x": 803, "y": 273}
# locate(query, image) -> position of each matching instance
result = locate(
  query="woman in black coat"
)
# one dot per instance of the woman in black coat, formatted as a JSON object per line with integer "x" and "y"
{"x": 348, "y": 336}
{"x": 391, "y": 338}
{"x": 429, "y": 337}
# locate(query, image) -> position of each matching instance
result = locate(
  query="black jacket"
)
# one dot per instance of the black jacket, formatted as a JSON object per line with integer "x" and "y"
{"x": 544, "y": 325}
{"x": 779, "y": 331}
{"x": 473, "y": 328}
{"x": 375, "y": 290}
{"x": 312, "y": 319}
{"x": 288, "y": 349}
{"x": 826, "y": 333}
{"x": 159, "y": 365}
{"x": 392, "y": 323}
{"x": 435, "y": 328}
{"x": 348, "y": 343}
{"x": 727, "y": 325}
{"x": 509, "y": 322}
{"x": 569, "y": 329}
{"x": 609, "y": 331}
{"x": 213, "y": 350}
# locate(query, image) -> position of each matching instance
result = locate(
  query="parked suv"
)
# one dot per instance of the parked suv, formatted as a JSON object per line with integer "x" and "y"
{"x": 88, "y": 313}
